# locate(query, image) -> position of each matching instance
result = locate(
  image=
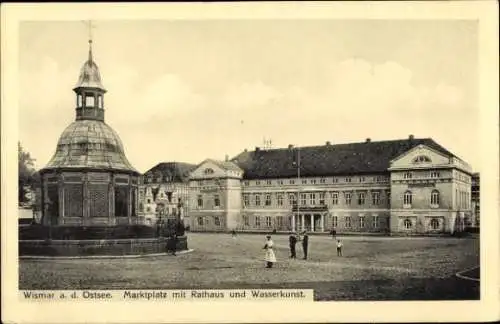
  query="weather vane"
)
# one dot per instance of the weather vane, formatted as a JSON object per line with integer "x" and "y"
{"x": 90, "y": 26}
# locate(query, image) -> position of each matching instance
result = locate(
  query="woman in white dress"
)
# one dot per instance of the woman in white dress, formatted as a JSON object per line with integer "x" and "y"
{"x": 270, "y": 257}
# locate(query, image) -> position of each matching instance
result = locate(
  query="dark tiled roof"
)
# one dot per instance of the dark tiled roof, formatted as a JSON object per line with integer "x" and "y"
{"x": 178, "y": 170}
{"x": 326, "y": 160}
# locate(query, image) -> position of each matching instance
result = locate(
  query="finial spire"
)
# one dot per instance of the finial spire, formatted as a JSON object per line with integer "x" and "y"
{"x": 90, "y": 26}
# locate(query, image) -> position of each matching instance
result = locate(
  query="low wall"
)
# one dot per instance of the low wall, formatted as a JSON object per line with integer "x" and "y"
{"x": 114, "y": 247}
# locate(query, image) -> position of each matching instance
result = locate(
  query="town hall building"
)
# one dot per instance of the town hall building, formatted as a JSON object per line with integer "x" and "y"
{"x": 411, "y": 186}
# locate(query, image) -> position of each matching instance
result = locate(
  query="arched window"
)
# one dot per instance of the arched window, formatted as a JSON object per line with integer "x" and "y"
{"x": 422, "y": 159}
{"x": 435, "y": 224}
{"x": 407, "y": 198}
{"x": 435, "y": 197}
{"x": 408, "y": 224}
{"x": 208, "y": 171}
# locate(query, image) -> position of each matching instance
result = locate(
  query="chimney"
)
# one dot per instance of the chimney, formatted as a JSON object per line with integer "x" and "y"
{"x": 257, "y": 149}
{"x": 368, "y": 140}
{"x": 290, "y": 146}
{"x": 227, "y": 158}
{"x": 328, "y": 143}
{"x": 411, "y": 137}
{"x": 246, "y": 150}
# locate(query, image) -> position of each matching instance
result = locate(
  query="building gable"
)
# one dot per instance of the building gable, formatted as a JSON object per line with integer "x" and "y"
{"x": 420, "y": 157}
{"x": 210, "y": 169}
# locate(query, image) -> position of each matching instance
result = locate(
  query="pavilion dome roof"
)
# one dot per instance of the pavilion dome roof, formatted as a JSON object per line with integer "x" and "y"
{"x": 90, "y": 77}
{"x": 90, "y": 144}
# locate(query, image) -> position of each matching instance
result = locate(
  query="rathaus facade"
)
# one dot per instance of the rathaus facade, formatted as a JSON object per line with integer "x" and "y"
{"x": 411, "y": 186}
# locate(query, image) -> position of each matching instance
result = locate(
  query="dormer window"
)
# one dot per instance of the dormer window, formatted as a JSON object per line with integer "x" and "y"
{"x": 422, "y": 159}
{"x": 89, "y": 100}
{"x": 79, "y": 100}
{"x": 99, "y": 102}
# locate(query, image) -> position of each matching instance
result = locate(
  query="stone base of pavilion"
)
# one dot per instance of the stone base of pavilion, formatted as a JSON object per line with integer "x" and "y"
{"x": 95, "y": 241}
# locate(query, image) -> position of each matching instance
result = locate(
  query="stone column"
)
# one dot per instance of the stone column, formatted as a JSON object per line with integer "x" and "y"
{"x": 312, "y": 222}
{"x": 129, "y": 205}
{"x": 85, "y": 205}
{"x": 60, "y": 189}
{"x": 293, "y": 222}
{"x": 302, "y": 223}
{"x": 111, "y": 200}
{"x": 322, "y": 228}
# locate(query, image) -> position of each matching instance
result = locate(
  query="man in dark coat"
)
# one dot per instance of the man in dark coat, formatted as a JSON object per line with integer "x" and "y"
{"x": 293, "y": 241}
{"x": 305, "y": 244}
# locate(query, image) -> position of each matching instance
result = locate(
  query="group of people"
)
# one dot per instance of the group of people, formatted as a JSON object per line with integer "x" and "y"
{"x": 270, "y": 257}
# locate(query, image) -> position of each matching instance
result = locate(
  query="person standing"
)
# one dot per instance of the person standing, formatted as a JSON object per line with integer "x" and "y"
{"x": 270, "y": 256}
{"x": 305, "y": 243}
{"x": 339, "y": 248}
{"x": 293, "y": 241}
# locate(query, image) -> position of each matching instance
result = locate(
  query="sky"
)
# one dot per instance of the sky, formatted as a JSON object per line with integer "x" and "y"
{"x": 187, "y": 90}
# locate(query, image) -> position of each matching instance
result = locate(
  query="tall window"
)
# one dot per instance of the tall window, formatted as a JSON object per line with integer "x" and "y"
{"x": 217, "y": 221}
{"x": 407, "y": 197}
{"x": 347, "y": 198}
{"x": 375, "y": 198}
{"x": 216, "y": 201}
{"x": 268, "y": 221}
{"x": 200, "y": 201}
{"x": 348, "y": 179}
{"x": 200, "y": 221}
{"x": 348, "y": 221}
{"x": 79, "y": 100}
{"x": 322, "y": 198}
{"x": 89, "y": 100}
{"x": 292, "y": 198}
{"x": 313, "y": 181}
{"x": 304, "y": 181}
{"x": 388, "y": 197}
{"x": 361, "y": 179}
{"x": 335, "y": 221}
{"x": 335, "y": 198}
{"x": 121, "y": 200}
{"x": 408, "y": 224}
{"x": 322, "y": 180}
{"x": 361, "y": 198}
{"x": 268, "y": 200}
{"x": 434, "y": 224}
{"x": 312, "y": 199}
{"x": 435, "y": 197}
{"x": 375, "y": 221}
{"x": 246, "y": 220}
{"x": 257, "y": 221}
{"x": 246, "y": 200}
{"x": 361, "y": 221}
{"x": 280, "y": 200}
{"x": 407, "y": 175}
{"x": 303, "y": 199}
{"x": 279, "y": 221}
{"x": 292, "y": 181}
{"x": 269, "y": 182}
{"x": 99, "y": 101}
{"x": 257, "y": 200}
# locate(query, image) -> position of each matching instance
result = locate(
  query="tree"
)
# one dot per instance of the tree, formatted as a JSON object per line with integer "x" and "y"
{"x": 27, "y": 174}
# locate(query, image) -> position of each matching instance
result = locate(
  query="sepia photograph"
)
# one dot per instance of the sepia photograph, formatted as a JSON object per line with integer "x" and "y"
{"x": 223, "y": 158}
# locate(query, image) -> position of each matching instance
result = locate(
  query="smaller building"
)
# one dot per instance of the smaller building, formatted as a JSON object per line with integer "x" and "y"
{"x": 164, "y": 192}
{"x": 475, "y": 199}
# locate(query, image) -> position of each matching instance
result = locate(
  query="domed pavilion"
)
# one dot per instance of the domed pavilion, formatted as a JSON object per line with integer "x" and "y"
{"x": 89, "y": 181}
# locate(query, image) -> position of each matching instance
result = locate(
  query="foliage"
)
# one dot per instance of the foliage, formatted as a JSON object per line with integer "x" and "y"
{"x": 27, "y": 176}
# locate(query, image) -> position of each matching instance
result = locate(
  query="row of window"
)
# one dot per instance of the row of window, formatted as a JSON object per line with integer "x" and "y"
{"x": 89, "y": 100}
{"x": 463, "y": 198}
{"x": 311, "y": 181}
{"x": 408, "y": 198}
{"x": 408, "y": 224}
{"x": 435, "y": 224}
{"x": 311, "y": 199}
{"x": 432, "y": 174}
